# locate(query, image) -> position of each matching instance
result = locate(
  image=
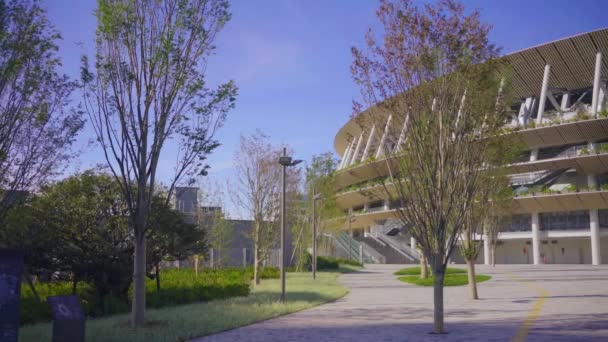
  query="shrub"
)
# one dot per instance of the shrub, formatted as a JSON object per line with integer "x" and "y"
{"x": 178, "y": 286}
{"x": 328, "y": 263}
{"x": 266, "y": 272}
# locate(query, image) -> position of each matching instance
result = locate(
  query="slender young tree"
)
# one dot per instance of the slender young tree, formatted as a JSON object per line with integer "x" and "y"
{"x": 257, "y": 192}
{"x": 36, "y": 129}
{"x": 436, "y": 78}
{"x": 320, "y": 181}
{"x": 491, "y": 203}
{"x": 148, "y": 87}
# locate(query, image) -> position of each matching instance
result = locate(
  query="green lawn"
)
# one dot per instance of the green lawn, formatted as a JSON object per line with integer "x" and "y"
{"x": 416, "y": 271}
{"x": 449, "y": 280}
{"x": 183, "y": 322}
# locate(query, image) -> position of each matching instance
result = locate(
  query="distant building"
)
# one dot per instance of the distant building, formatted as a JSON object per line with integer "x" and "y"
{"x": 240, "y": 250}
{"x": 560, "y": 211}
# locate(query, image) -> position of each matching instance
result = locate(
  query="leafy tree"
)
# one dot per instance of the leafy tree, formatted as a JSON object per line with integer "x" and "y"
{"x": 36, "y": 130}
{"x": 437, "y": 78}
{"x": 320, "y": 182}
{"x": 221, "y": 234}
{"x": 170, "y": 237}
{"x": 78, "y": 228}
{"x": 149, "y": 86}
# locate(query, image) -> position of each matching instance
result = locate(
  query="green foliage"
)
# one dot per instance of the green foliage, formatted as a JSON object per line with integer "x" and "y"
{"x": 82, "y": 231}
{"x": 36, "y": 128}
{"x": 170, "y": 237}
{"x": 179, "y": 286}
{"x": 582, "y": 114}
{"x": 221, "y": 234}
{"x": 602, "y": 148}
{"x": 326, "y": 263}
{"x": 265, "y": 272}
{"x": 320, "y": 180}
{"x": 186, "y": 322}
{"x": 448, "y": 280}
{"x": 416, "y": 271}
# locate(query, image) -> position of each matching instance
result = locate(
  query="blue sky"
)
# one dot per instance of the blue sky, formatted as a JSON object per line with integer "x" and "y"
{"x": 291, "y": 59}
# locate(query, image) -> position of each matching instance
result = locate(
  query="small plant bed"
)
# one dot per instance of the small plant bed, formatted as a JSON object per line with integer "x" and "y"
{"x": 416, "y": 271}
{"x": 457, "y": 279}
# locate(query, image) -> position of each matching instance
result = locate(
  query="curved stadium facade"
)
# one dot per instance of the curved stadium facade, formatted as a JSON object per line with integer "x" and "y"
{"x": 560, "y": 211}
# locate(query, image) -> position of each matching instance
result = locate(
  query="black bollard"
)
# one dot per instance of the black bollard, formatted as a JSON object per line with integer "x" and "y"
{"x": 68, "y": 318}
{"x": 11, "y": 271}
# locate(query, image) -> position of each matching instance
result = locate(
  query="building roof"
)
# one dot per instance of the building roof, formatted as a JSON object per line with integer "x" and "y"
{"x": 572, "y": 62}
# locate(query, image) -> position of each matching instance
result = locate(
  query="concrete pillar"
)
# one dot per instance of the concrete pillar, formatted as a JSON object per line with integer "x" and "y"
{"x": 387, "y": 205}
{"x": 534, "y": 154}
{"x": 591, "y": 178}
{"x": 211, "y": 257}
{"x": 594, "y": 227}
{"x": 351, "y": 152}
{"x": 369, "y": 143}
{"x": 413, "y": 243}
{"x": 525, "y": 110}
{"x": 357, "y": 148}
{"x": 345, "y": 156}
{"x": 521, "y": 117}
{"x": 486, "y": 251}
{"x": 380, "y": 149}
{"x": 244, "y": 257}
{"x": 361, "y": 253}
{"x": 536, "y": 238}
{"x": 403, "y": 132}
{"x": 543, "y": 95}
{"x": 565, "y": 101}
{"x": 596, "y": 84}
{"x": 600, "y": 99}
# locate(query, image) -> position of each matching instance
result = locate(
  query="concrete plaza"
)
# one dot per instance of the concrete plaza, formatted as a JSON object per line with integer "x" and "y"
{"x": 520, "y": 302}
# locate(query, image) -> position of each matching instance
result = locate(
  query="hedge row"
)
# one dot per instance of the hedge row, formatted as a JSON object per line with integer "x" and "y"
{"x": 328, "y": 263}
{"x": 178, "y": 286}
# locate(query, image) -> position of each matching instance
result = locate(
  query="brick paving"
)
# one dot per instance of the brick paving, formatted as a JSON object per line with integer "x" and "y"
{"x": 381, "y": 308}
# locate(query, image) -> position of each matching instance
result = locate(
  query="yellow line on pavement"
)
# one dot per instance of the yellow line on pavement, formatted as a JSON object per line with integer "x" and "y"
{"x": 523, "y": 331}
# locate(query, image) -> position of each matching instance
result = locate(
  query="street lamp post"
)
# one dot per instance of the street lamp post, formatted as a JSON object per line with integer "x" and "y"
{"x": 350, "y": 220}
{"x": 314, "y": 234}
{"x": 285, "y": 161}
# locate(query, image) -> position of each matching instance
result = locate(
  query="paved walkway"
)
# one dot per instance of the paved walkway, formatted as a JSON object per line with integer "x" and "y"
{"x": 571, "y": 302}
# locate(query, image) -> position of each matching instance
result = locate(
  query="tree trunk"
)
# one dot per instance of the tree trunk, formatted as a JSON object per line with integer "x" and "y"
{"x": 424, "y": 267}
{"x": 28, "y": 278}
{"x": 256, "y": 266}
{"x": 472, "y": 281}
{"x": 438, "y": 274}
{"x": 157, "y": 278}
{"x": 493, "y": 254}
{"x": 138, "y": 308}
{"x": 74, "y": 284}
{"x": 196, "y": 264}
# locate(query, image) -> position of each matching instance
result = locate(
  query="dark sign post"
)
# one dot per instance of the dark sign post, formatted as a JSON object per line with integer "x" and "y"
{"x": 11, "y": 270}
{"x": 68, "y": 318}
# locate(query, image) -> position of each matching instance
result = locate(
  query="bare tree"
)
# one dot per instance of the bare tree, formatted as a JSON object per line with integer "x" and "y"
{"x": 257, "y": 192}
{"x": 150, "y": 87}
{"x": 36, "y": 130}
{"x": 434, "y": 76}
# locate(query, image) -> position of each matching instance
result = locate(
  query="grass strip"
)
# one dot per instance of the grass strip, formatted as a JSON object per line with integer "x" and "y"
{"x": 449, "y": 280}
{"x": 180, "y": 323}
{"x": 416, "y": 271}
